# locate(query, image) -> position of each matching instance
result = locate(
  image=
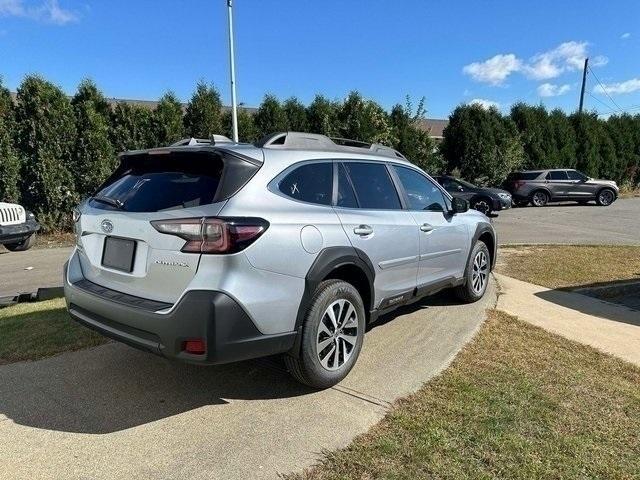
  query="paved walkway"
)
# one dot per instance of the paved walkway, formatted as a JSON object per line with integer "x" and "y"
{"x": 114, "y": 412}
{"x": 612, "y": 328}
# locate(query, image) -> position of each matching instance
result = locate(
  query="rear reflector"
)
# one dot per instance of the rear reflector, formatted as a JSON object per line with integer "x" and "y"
{"x": 214, "y": 235}
{"x": 195, "y": 347}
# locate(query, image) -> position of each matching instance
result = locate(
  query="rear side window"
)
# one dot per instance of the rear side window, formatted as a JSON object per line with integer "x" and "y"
{"x": 346, "y": 195}
{"x": 422, "y": 193}
{"x": 311, "y": 183}
{"x": 575, "y": 175}
{"x": 557, "y": 175}
{"x": 523, "y": 176}
{"x": 373, "y": 186}
{"x": 151, "y": 183}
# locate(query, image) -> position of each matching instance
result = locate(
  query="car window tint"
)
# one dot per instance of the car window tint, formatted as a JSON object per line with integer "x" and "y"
{"x": 574, "y": 175}
{"x": 421, "y": 192}
{"x": 311, "y": 183}
{"x": 373, "y": 185}
{"x": 557, "y": 175}
{"x": 346, "y": 195}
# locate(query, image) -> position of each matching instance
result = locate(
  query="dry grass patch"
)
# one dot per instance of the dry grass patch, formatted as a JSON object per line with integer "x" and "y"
{"x": 31, "y": 331}
{"x": 517, "y": 403}
{"x": 563, "y": 266}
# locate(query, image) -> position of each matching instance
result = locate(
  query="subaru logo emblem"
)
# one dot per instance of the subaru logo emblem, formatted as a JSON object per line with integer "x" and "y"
{"x": 107, "y": 226}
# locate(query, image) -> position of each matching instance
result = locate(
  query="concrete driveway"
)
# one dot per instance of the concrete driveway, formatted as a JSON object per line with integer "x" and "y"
{"x": 113, "y": 412}
{"x": 25, "y": 272}
{"x": 570, "y": 223}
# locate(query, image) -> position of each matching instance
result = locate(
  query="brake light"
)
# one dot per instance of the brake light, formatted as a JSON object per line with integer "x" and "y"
{"x": 195, "y": 346}
{"x": 518, "y": 183}
{"x": 213, "y": 235}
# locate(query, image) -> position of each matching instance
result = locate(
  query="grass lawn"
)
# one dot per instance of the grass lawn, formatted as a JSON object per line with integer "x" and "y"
{"x": 555, "y": 266}
{"x": 31, "y": 331}
{"x": 517, "y": 403}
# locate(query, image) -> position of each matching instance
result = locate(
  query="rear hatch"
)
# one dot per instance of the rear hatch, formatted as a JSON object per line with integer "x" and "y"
{"x": 120, "y": 249}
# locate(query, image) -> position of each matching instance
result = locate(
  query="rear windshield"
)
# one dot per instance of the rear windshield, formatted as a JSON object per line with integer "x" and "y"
{"x": 151, "y": 183}
{"x": 523, "y": 176}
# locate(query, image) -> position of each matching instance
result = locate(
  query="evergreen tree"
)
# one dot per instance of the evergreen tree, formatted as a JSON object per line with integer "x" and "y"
{"x": 247, "y": 131}
{"x": 131, "y": 128}
{"x": 270, "y": 117}
{"x": 537, "y": 140}
{"x": 203, "y": 117}
{"x": 412, "y": 141}
{"x": 46, "y": 138}
{"x": 482, "y": 144}
{"x": 94, "y": 156}
{"x": 296, "y": 115}
{"x": 588, "y": 131}
{"x": 166, "y": 121}
{"x": 9, "y": 160}
{"x": 564, "y": 140}
{"x": 365, "y": 120}
{"x": 322, "y": 116}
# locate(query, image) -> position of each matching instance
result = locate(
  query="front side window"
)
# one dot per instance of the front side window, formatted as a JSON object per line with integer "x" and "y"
{"x": 575, "y": 175}
{"x": 311, "y": 183}
{"x": 373, "y": 186}
{"x": 557, "y": 175}
{"x": 422, "y": 193}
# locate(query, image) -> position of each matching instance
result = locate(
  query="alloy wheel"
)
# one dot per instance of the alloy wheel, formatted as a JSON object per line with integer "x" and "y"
{"x": 539, "y": 199}
{"x": 605, "y": 197}
{"x": 480, "y": 272}
{"x": 337, "y": 334}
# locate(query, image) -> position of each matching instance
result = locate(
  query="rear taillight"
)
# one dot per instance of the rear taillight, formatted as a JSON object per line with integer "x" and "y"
{"x": 518, "y": 183}
{"x": 214, "y": 235}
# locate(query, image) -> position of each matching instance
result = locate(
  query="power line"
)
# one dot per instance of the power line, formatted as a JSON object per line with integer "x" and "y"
{"x": 604, "y": 89}
{"x": 601, "y": 102}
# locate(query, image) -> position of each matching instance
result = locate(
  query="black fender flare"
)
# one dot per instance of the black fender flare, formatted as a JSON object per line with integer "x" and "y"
{"x": 481, "y": 229}
{"x": 325, "y": 262}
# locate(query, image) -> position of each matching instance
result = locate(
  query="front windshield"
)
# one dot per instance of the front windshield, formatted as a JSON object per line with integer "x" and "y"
{"x": 465, "y": 184}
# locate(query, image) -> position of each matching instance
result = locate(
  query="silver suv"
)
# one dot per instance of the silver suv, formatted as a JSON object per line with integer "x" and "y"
{"x": 558, "y": 185}
{"x": 213, "y": 252}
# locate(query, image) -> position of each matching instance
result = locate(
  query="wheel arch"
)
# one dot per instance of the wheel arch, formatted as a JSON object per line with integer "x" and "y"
{"x": 486, "y": 234}
{"x": 540, "y": 189}
{"x": 342, "y": 263}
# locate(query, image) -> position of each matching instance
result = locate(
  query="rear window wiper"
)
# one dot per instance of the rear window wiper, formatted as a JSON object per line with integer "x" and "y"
{"x": 114, "y": 202}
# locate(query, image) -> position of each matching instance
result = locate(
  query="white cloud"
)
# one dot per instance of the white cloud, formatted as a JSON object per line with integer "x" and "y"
{"x": 567, "y": 56}
{"x": 551, "y": 90}
{"x": 495, "y": 70}
{"x": 484, "y": 103}
{"x": 626, "y": 35}
{"x": 628, "y": 86}
{"x": 48, "y": 11}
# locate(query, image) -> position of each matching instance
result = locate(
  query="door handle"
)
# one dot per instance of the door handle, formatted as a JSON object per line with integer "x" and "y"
{"x": 363, "y": 230}
{"x": 425, "y": 227}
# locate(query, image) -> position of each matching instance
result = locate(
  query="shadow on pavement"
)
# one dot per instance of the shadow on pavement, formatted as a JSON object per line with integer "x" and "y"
{"x": 114, "y": 387}
{"x": 604, "y": 299}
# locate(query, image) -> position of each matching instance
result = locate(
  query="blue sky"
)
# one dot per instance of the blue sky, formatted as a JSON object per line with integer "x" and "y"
{"x": 451, "y": 52}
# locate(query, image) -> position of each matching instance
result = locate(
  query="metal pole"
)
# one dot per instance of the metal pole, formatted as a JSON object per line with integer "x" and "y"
{"x": 234, "y": 106}
{"x": 584, "y": 82}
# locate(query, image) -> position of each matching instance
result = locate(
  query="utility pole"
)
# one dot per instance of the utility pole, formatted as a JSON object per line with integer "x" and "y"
{"x": 584, "y": 83}
{"x": 232, "y": 66}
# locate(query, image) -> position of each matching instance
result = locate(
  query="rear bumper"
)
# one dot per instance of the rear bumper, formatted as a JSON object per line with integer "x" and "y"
{"x": 18, "y": 233}
{"x": 228, "y": 332}
{"x": 501, "y": 204}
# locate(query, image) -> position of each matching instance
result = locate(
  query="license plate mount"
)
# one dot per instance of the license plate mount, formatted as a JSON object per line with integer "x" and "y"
{"x": 119, "y": 254}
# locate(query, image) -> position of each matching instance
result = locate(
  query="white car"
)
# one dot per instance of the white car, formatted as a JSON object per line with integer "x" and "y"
{"x": 18, "y": 227}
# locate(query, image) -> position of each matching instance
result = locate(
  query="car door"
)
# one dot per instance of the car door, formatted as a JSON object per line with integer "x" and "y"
{"x": 370, "y": 210}
{"x": 558, "y": 184}
{"x": 444, "y": 238}
{"x": 580, "y": 186}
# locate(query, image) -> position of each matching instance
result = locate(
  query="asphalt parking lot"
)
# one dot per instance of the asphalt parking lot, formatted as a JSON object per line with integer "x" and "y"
{"x": 570, "y": 223}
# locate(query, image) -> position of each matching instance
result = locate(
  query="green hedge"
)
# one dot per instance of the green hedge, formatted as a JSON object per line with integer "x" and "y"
{"x": 55, "y": 150}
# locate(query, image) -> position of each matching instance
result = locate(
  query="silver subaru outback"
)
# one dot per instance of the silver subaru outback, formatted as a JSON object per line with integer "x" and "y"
{"x": 213, "y": 252}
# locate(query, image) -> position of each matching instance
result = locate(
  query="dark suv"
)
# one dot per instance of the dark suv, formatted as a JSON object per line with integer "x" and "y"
{"x": 483, "y": 199}
{"x": 556, "y": 185}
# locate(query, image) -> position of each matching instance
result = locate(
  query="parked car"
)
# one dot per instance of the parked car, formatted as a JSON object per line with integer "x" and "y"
{"x": 540, "y": 187}
{"x": 18, "y": 227}
{"x": 214, "y": 252}
{"x": 483, "y": 199}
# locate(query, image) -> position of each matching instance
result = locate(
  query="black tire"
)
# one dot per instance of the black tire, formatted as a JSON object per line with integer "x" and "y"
{"x": 307, "y": 367}
{"x": 25, "y": 244}
{"x": 605, "y": 197}
{"x": 482, "y": 205}
{"x": 467, "y": 292}
{"x": 539, "y": 198}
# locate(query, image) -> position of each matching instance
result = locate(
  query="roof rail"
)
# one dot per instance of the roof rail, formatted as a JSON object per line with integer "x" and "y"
{"x": 316, "y": 141}
{"x": 197, "y": 141}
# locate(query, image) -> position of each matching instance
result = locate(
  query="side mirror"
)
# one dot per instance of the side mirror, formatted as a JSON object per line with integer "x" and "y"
{"x": 460, "y": 188}
{"x": 459, "y": 205}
